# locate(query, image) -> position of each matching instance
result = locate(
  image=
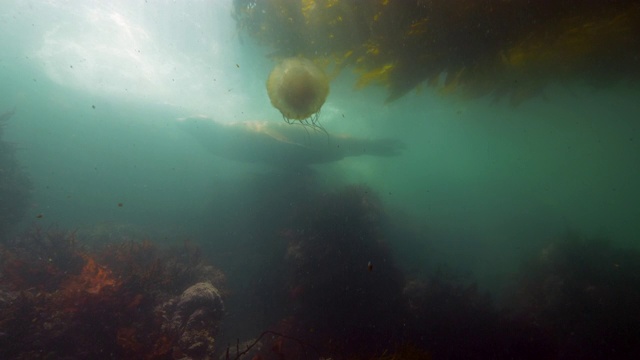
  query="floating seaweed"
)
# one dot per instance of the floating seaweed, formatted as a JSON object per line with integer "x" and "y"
{"x": 503, "y": 49}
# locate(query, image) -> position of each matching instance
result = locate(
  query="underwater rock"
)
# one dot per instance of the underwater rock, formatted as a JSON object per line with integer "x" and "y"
{"x": 194, "y": 317}
{"x": 585, "y": 291}
{"x": 331, "y": 289}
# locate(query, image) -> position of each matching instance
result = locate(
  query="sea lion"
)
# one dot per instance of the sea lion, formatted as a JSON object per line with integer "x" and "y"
{"x": 280, "y": 143}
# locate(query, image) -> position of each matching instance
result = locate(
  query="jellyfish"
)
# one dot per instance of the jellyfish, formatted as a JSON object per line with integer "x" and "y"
{"x": 298, "y": 88}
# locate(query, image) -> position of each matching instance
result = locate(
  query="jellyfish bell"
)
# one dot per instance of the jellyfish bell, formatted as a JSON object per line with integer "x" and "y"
{"x": 298, "y": 88}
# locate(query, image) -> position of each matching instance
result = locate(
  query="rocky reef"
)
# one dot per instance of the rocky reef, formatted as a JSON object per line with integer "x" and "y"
{"x": 339, "y": 292}
{"x": 585, "y": 292}
{"x": 60, "y": 299}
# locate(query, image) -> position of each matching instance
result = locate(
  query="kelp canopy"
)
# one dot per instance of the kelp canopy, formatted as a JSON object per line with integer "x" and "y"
{"x": 503, "y": 48}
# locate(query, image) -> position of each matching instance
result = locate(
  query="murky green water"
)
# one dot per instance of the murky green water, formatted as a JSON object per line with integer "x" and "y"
{"x": 98, "y": 90}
